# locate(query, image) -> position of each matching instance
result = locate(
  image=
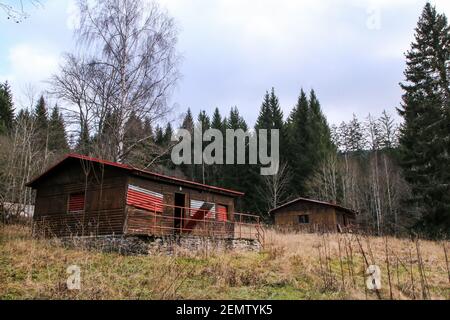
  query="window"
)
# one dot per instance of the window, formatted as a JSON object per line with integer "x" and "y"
{"x": 303, "y": 219}
{"x": 76, "y": 202}
{"x": 222, "y": 212}
{"x": 145, "y": 199}
{"x": 201, "y": 209}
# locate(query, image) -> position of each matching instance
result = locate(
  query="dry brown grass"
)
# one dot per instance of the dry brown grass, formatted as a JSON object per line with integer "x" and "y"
{"x": 338, "y": 252}
{"x": 292, "y": 266}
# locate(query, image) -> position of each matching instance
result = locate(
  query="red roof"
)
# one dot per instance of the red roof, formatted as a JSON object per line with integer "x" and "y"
{"x": 134, "y": 170}
{"x": 329, "y": 204}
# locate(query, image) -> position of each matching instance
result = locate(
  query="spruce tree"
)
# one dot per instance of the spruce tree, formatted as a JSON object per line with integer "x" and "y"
{"x": 424, "y": 145}
{"x": 217, "y": 122}
{"x": 271, "y": 117}
{"x": 355, "y": 139}
{"x": 6, "y": 108}
{"x": 202, "y": 172}
{"x": 168, "y": 132}
{"x": 57, "y": 132}
{"x": 188, "y": 121}
{"x": 320, "y": 129}
{"x": 235, "y": 120}
{"x": 133, "y": 143}
{"x": 264, "y": 120}
{"x": 41, "y": 124}
{"x": 238, "y": 176}
{"x": 275, "y": 112}
{"x": 148, "y": 128}
{"x": 299, "y": 144}
{"x": 388, "y": 131}
{"x": 188, "y": 124}
{"x": 217, "y": 169}
{"x": 204, "y": 120}
{"x": 159, "y": 136}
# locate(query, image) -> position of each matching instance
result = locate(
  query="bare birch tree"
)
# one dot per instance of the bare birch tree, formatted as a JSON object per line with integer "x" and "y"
{"x": 128, "y": 68}
{"x": 275, "y": 188}
{"x": 373, "y": 134}
{"x": 365, "y": 176}
{"x": 324, "y": 183}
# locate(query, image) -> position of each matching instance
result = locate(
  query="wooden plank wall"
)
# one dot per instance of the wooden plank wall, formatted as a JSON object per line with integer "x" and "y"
{"x": 104, "y": 204}
{"x": 142, "y": 222}
{"x": 320, "y": 217}
{"x": 106, "y": 211}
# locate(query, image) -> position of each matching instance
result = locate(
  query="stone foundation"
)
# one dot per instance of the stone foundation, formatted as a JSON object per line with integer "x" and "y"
{"x": 166, "y": 245}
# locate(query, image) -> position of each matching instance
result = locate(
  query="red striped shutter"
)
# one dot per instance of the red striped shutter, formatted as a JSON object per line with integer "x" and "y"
{"x": 201, "y": 209}
{"x": 76, "y": 202}
{"x": 222, "y": 213}
{"x": 144, "y": 199}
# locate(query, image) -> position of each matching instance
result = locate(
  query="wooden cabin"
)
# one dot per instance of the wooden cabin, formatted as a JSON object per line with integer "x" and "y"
{"x": 313, "y": 215}
{"x": 83, "y": 196}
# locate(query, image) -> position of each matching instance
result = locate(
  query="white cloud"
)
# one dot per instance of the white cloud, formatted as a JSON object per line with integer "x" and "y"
{"x": 236, "y": 49}
{"x": 29, "y": 64}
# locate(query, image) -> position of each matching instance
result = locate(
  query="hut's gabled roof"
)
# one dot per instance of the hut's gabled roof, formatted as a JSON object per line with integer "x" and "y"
{"x": 323, "y": 203}
{"x": 135, "y": 171}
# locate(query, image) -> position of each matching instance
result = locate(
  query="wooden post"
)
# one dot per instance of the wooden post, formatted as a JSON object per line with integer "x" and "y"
{"x": 240, "y": 226}
{"x": 154, "y": 220}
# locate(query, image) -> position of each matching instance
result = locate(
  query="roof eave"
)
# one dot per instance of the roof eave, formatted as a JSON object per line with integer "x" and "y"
{"x": 188, "y": 184}
{"x": 192, "y": 184}
{"x": 336, "y": 206}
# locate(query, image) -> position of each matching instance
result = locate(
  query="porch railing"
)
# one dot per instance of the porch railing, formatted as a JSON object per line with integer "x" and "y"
{"x": 236, "y": 226}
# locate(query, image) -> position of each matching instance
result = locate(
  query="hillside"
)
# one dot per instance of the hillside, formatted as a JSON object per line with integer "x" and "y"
{"x": 292, "y": 266}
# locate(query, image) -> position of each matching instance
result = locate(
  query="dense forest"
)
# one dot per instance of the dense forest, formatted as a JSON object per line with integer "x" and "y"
{"x": 397, "y": 176}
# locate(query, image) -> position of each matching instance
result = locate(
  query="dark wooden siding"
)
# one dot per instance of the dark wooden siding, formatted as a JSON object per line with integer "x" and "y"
{"x": 106, "y": 211}
{"x": 320, "y": 217}
{"x": 104, "y": 189}
{"x": 143, "y": 222}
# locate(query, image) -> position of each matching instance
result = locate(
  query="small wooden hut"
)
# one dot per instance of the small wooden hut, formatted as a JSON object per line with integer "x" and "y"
{"x": 313, "y": 215}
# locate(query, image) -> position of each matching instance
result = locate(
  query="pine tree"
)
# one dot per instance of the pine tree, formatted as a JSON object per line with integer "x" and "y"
{"x": 299, "y": 144}
{"x": 355, "y": 139}
{"x": 57, "y": 132}
{"x": 239, "y": 176}
{"x": 203, "y": 171}
{"x": 271, "y": 117}
{"x": 217, "y": 169}
{"x": 188, "y": 121}
{"x": 235, "y": 120}
{"x": 388, "y": 131}
{"x": 264, "y": 120}
{"x": 308, "y": 140}
{"x": 276, "y": 113}
{"x": 425, "y": 107}
{"x": 188, "y": 124}
{"x": 134, "y": 145}
{"x": 168, "y": 133}
{"x": 217, "y": 122}
{"x": 320, "y": 129}
{"x": 148, "y": 128}
{"x": 42, "y": 124}
{"x": 6, "y": 108}
{"x": 159, "y": 136}
{"x": 204, "y": 120}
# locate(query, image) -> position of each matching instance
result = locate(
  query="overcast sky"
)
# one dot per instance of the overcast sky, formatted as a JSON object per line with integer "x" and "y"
{"x": 350, "y": 51}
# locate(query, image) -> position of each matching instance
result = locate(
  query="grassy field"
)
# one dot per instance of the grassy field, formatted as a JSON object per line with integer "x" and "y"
{"x": 291, "y": 266}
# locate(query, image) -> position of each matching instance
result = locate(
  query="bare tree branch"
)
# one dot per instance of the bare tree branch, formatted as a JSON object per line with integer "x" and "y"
{"x": 128, "y": 68}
